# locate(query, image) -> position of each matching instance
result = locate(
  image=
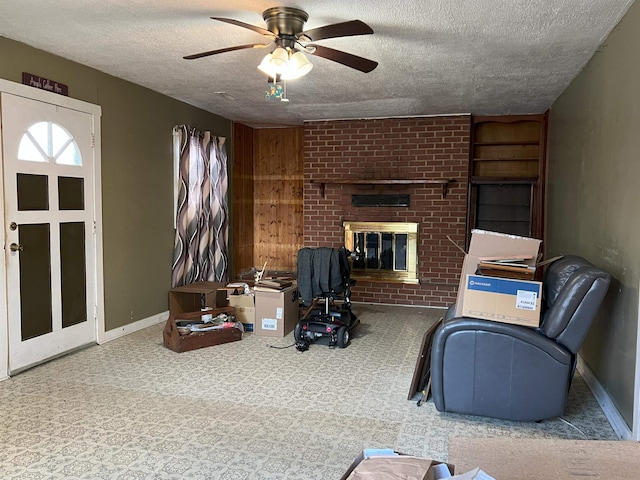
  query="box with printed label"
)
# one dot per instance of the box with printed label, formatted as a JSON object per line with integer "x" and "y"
{"x": 245, "y": 310}
{"x": 502, "y": 300}
{"x": 487, "y": 245}
{"x": 276, "y": 311}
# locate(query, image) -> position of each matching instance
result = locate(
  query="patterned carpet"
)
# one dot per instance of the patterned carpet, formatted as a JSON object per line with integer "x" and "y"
{"x": 131, "y": 409}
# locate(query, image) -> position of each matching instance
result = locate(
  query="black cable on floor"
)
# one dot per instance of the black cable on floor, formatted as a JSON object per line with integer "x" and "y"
{"x": 281, "y": 348}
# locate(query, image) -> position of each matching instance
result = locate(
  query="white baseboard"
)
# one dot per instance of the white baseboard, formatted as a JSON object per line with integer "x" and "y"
{"x": 602, "y": 397}
{"x": 396, "y": 305}
{"x": 132, "y": 327}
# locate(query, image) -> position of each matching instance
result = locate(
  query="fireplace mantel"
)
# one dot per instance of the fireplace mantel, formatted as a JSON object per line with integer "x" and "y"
{"x": 444, "y": 182}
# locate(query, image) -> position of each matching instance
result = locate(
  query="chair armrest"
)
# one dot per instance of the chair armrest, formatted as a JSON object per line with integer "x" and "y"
{"x": 450, "y": 313}
{"x": 524, "y": 334}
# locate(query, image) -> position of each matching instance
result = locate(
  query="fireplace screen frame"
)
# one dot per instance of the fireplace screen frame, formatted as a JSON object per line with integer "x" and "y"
{"x": 375, "y": 273}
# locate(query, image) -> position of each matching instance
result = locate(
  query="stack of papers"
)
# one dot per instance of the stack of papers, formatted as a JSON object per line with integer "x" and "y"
{"x": 506, "y": 268}
{"x": 274, "y": 283}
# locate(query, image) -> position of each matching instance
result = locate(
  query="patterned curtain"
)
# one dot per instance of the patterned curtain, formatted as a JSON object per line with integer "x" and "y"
{"x": 200, "y": 249}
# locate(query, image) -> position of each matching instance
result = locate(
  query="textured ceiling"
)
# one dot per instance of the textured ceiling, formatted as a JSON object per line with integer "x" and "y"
{"x": 435, "y": 56}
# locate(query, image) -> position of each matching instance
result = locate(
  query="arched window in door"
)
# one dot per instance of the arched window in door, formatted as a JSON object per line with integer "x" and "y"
{"x": 49, "y": 142}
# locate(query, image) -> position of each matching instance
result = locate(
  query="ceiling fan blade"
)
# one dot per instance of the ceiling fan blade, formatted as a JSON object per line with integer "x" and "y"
{"x": 359, "y": 63}
{"x": 224, "y": 50}
{"x": 344, "y": 29}
{"x": 260, "y": 30}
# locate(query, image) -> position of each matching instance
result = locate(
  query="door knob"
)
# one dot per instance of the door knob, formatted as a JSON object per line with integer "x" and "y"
{"x": 14, "y": 247}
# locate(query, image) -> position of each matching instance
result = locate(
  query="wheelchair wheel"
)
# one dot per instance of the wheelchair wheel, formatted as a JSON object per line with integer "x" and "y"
{"x": 297, "y": 332}
{"x": 343, "y": 337}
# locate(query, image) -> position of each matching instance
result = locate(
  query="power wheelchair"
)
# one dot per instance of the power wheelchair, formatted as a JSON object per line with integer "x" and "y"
{"x": 324, "y": 279}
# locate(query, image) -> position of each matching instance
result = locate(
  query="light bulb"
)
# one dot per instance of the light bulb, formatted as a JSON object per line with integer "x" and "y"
{"x": 266, "y": 67}
{"x": 297, "y": 66}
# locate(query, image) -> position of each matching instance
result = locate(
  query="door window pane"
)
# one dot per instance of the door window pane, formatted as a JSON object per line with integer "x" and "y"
{"x": 70, "y": 193}
{"x": 73, "y": 273}
{"x": 70, "y": 155}
{"x": 32, "y": 192}
{"x": 59, "y": 139}
{"x": 30, "y": 151}
{"x": 35, "y": 280}
{"x": 49, "y": 142}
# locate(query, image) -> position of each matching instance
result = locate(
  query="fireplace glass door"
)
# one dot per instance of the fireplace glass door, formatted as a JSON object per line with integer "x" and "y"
{"x": 386, "y": 251}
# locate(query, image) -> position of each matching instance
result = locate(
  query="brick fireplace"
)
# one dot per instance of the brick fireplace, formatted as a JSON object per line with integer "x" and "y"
{"x": 426, "y": 158}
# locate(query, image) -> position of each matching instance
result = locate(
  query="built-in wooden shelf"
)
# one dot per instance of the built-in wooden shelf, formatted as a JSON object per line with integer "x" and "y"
{"x": 443, "y": 182}
{"x": 507, "y": 171}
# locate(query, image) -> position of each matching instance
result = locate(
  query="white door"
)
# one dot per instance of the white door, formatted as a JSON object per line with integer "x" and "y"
{"x": 49, "y": 232}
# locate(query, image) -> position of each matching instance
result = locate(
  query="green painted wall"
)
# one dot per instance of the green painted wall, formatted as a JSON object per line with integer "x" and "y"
{"x": 593, "y": 197}
{"x": 137, "y": 175}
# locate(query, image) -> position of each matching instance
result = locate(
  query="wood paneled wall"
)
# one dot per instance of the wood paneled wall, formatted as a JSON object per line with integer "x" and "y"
{"x": 267, "y": 198}
{"x": 278, "y": 196}
{"x": 241, "y": 203}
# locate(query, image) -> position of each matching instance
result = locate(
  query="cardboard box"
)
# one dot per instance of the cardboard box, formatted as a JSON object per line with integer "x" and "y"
{"x": 486, "y": 244}
{"x": 194, "y": 296}
{"x": 245, "y": 310}
{"x": 549, "y": 458}
{"x": 223, "y": 294}
{"x": 378, "y": 469}
{"x": 276, "y": 311}
{"x": 502, "y": 300}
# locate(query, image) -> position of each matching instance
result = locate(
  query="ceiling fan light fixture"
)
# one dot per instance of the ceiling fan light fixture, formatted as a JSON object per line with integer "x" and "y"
{"x": 275, "y": 63}
{"x": 266, "y": 66}
{"x": 298, "y": 66}
{"x": 284, "y": 64}
{"x": 279, "y": 59}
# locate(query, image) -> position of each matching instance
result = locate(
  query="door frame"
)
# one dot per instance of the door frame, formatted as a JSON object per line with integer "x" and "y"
{"x": 96, "y": 112}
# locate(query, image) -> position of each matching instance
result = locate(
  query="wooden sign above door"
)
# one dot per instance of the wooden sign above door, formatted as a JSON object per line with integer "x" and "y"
{"x": 44, "y": 84}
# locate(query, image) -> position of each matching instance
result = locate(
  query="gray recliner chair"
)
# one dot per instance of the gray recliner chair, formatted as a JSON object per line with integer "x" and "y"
{"x": 493, "y": 369}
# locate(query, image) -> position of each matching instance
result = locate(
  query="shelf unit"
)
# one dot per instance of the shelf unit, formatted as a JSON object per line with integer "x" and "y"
{"x": 444, "y": 183}
{"x": 506, "y": 174}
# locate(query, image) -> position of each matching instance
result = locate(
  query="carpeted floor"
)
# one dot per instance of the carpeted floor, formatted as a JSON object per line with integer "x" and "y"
{"x": 131, "y": 409}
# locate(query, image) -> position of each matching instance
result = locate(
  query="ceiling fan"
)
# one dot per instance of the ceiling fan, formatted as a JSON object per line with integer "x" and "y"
{"x": 285, "y": 31}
